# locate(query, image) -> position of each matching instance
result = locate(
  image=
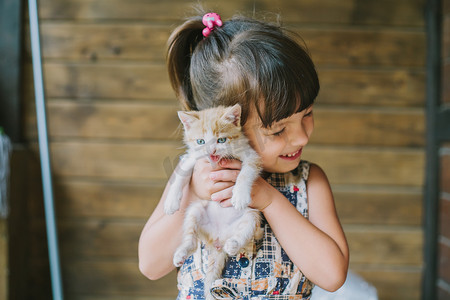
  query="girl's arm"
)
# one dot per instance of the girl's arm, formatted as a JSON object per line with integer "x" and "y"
{"x": 318, "y": 245}
{"x": 162, "y": 233}
{"x": 160, "y": 238}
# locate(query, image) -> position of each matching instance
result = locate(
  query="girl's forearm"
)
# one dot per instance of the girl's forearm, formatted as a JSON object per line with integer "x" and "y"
{"x": 160, "y": 237}
{"x": 316, "y": 254}
{"x": 323, "y": 260}
{"x": 157, "y": 244}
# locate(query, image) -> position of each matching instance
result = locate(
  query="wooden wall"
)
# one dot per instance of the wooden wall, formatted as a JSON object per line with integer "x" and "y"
{"x": 112, "y": 125}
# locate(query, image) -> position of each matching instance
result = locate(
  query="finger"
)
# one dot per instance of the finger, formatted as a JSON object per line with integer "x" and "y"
{"x": 222, "y": 195}
{"x": 226, "y": 203}
{"x": 204, "y": 164}
{"x": 221, "y": 185}
{"x": 224, "y": 175}
{"x": 230, "y": 164}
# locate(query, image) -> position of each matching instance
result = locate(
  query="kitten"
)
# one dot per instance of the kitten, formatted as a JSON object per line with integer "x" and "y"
{"x": 215, "y": 133}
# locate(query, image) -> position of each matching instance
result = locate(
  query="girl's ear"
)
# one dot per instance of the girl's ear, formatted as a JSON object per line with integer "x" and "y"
{"x": 187, "y": 118}
{"x": 233, "y": 114}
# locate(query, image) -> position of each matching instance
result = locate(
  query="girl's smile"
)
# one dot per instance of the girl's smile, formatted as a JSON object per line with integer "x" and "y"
{"x": 292, "y": 156}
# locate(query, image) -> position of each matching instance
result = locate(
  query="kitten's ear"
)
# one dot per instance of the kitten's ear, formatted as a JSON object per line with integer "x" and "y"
{"x": 233, "y": 114}
{"x": 187, "y": 118}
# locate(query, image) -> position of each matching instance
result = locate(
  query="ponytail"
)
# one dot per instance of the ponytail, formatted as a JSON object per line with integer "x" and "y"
{"x": 182, "y": 43}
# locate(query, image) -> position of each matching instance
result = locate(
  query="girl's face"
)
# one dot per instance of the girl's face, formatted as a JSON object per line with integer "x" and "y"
{"x": 280, "y": 146}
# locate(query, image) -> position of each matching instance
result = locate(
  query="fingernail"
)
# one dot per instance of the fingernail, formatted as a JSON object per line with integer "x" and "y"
{"x": 212, "y": 176}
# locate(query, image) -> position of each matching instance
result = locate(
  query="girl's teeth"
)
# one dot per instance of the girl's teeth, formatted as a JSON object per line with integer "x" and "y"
{"x": 293, "y": 154}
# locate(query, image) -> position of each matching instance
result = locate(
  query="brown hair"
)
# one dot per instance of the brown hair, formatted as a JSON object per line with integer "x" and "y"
{"x": 245, "y": 61}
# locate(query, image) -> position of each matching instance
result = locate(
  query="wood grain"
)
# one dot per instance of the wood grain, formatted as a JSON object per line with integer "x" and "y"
{"x": 149, "y": 81}
{"x": 127, "y": 200}
{"x": 400, "y": 12}
{"x": 114, "y": 139}
{"x": 329, "y": 46}
{"x": 98, "y": 239}
{"x": 394, "y": 283}
{"x": 149, "y": 161}
{"x": 127, "y": 120}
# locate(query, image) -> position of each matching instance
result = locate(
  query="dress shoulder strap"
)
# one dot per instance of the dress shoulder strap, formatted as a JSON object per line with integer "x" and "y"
{"x": 303, "y": 169}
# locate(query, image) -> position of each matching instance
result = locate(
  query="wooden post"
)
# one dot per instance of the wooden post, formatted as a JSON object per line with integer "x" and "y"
{"x": 431, "y": 200}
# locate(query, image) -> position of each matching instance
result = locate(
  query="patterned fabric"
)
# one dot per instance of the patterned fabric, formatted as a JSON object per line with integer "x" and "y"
{"x": 263, "y": 270}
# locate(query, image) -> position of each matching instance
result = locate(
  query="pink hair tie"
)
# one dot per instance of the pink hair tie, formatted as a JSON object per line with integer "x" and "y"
{"x": 210, "y": 20}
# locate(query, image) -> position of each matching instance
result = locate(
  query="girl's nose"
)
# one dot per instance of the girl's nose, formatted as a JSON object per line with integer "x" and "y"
{"x": 299, "y": 136}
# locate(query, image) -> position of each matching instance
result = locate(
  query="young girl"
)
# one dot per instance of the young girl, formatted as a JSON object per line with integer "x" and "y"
{"x": 261, "y": 67}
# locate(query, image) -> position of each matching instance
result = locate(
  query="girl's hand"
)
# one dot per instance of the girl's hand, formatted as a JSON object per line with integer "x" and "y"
{"x": 262, "y": 191}
{"x": 217, "y": 183}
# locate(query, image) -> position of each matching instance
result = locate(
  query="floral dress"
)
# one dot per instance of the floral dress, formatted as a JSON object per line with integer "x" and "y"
{"x": 263, "y": 270}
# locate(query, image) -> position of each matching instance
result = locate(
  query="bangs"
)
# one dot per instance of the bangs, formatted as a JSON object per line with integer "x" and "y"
{"x": 287, "y": 83}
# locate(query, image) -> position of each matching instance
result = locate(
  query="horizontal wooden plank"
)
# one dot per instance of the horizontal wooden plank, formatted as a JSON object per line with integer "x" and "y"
{"x": 114, "y": 278}
{"x": 99, "y": 278}
{"x": 83, "y": 282}
{"x": 385, "y": 245}
{"x": 111, "y": 120}
{"x": 110, "y": 41}
{"x": 369, "y": 166}
{"x": 372, "y": 87}
{"x": 396, "y": 206}
{"x": 97, "y": 239}
{"x": 368, "y": 127}
{"x": 393, "y": 284}
{"x": 388, "y": 88}
{"x": 115, "y": 81}
{"x": 81, "y": 199}
{"x": 365, "y": 47}
{"x": 117, "y": 120}
{"x": 148, "y": 161}
{"x": 148, "y": 42}
{"x": 400, "y": 12}
{"x": 132, "y": 161}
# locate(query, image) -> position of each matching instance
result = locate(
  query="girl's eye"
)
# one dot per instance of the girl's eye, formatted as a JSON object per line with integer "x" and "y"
{"x": 221, "y": 140}
{"x": 201, "y": 141}
{"x": 278, "y": 133}
{"x": 309, "y": 113}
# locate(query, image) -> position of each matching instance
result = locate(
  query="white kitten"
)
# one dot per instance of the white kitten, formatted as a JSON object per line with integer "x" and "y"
{"x": 215, "y": 133}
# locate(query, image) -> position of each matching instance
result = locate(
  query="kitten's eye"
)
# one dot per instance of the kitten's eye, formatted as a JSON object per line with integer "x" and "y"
{"x": 221, "y": 140}
{"x": 201, "y": 141}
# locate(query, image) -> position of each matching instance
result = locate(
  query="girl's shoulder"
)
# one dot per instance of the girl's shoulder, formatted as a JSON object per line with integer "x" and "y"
{"x": 316, "y": 175}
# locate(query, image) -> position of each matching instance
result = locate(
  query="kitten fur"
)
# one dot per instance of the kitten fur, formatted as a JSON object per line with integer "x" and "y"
{"x": 215, "y": 133}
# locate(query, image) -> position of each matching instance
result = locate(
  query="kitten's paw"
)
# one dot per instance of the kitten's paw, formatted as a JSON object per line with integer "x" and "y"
{"x": 240, "y": 201}
{"x": 172, "y": 203}
{"x": 241, "y": 197}
{"x": 170, "y": 209}
{"x": 231, "y": 247}
{"x": 179, "y": 257}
